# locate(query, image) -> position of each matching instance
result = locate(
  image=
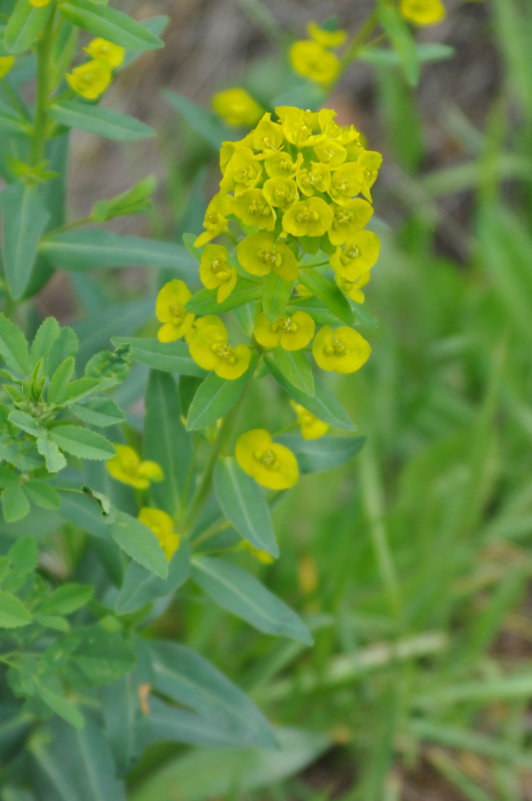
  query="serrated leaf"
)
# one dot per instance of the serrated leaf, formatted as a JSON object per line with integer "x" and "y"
{"x": 66, "y": 599}
{"x": 13, "y": 613}
{"x": 65, "y": 345}
{"x": 240, "y": 593}
{"x": 55, "y": 461}
{"x": 15, "y": 504}
{"x": 60, "y": 380}
{"x": 42, "y": 494}
{"x": 111, "y": 24}
{"x": 46, "y": 335}
{"x": 25, "y": 422}
{"x": 139, "y": 542}
{"x": 99, "y": 411}
{"x": 82, "y": 442}
{"x": 24, "y": 219}
{"x": 13, "y": 347}
{"x": 104, "y": 122}
{"x": 244, "y": 505}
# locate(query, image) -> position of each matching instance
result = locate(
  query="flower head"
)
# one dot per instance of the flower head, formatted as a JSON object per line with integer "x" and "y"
{"x": 348, "y": 219}
{"x": 290, "y": 332}
{"x": 357, "y": 256}
{"x": 236, "y": 107}
{"x": 128, "y": 467}
{"x": 170, "y": 310}
{"x": 210, "y": 349}
{"x": 309, "y": 217}
{"x": 216, "y": 272}
{"x": 325, "y": 37}
{"x": 271, "y": 465}
{"x": 91, "y": 79}
{"x": 311, "y": 427}
{"x": 106, "y": 51}
{"x": 261, "y": 253}
{"x": 422, "y": 12}
{"x": 312, "y": 60}
{"x": 162, "y": 526}
{"x": 343, "y": 350}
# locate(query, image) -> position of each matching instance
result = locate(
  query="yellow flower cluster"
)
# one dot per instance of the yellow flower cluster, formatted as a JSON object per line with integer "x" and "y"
{"x": 91, "y": 79}
{"x": 313, "y": 58}
{"x": 237, "y": 108}
{"x": 422, "y": 12}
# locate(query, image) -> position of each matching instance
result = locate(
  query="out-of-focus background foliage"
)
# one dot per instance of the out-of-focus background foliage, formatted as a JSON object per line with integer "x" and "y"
{"x": 413, "y": 563}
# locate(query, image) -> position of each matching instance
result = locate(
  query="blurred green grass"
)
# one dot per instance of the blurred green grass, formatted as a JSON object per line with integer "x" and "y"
{"x": 421, "y": 547}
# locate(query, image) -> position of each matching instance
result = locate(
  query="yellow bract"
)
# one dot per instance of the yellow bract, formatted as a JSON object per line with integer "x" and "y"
{"x": 162, "y": 526}
{"x": 280, "y": 192}
{"x": 348, "y": 219}
{"x": 343, "y": 350}
{"x": 216, "y": 272}
{"x": 353, "y": 287}
{"x": 310, "y": 217}
{"x": 315, "y": 178}
{"x": 128, "y": 468}
{"x": 210, "y": 349}
{"x": 358, "y": 255}
{"x": 242, "y": 170}
{"x": 170, "y": 310}
{"x": 271, "y": 465}
{"x": 325, "y": 37}
{"x": 215, "y": 221}
{"x": 267, "y": 136}
{"x": 422, "y": 12}
{"x": 311, "y": 427}
{"x": 261, "y": 253}
{"x": 236, "y": 107}
{"x": 312, "y": 60}
{"x": 91, "y": 79}
{"x": 252, "y": 208}
{"x": 291, "y": 332}
{"x": 6, "y": 63}
{"x": 106, "y": 51}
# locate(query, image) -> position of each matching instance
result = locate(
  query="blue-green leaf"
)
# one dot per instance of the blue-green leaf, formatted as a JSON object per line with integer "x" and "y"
{"x": 139, "y": 542}
{"x": 318, "y": 455}
{"x": 109, "y": 23}
{"x": 170, "y": 357}
{"x": 294, "y": 367}
{"x": 25, "y": 218}
{"x": 99, "y": 120}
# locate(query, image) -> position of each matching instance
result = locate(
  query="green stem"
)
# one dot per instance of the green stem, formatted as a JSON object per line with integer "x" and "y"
{"x": 44, "y": 53}
{"x": 359, "y": 39}
{"x": 69, "y": 226}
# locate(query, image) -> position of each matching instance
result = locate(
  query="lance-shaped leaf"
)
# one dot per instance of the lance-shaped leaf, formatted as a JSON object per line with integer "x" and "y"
{"x": 240, "y": 593}
{"x": 109, "y": 23}
{"x": 170, "y": 357}
{"x": 139, "y": 542}
{"x": 214, "y": 398}
{"x": 24, "y": 26}
{"x": 101, "y": 121}
{"x": 140, "y": 586}
{"x": 82, "y": 442}
{"x": 328, "y": 293}
{"x": 24, "y": 220}
{"x": 318, "y": 455}
{"x": 294, "y": 368}
{"x": 13, "y": 347}
{"x": 243, "y": 504}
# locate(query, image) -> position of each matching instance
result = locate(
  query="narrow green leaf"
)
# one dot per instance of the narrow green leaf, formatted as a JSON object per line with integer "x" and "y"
{"x": 13, "y": 613}
{"x": 244, "y": 505}
{"x": 109, "y": 23}
{"x": 401, "y": 38}
{"x": 204, "y": 301}
{"x": 240, "y": 593}
{"x": 170, "y": 357}
{"x": 275, "y": 295}
{"x": 46, "y": 335}
{"x": 61, "y": 706}
{"x": 214, "y": 398}
{"x": 173, "y": 724}
{"x": 95, "y": 248}
{"x": 139, "y": 542}
{"x": 25, "y": 422}
{"x": 99, "y": 411}
{"x": 66, "y": 599}
{"x": 13, "y": 347}
{"x": 15, "y": 504}
{"x": 166, "y": 441}
{"x": 329, "y": 294}
{"x": 82, "y": 442}
{"x": 201, "y": 120}
{"x": 55, "y": 461}
{"x": 140, "y": 586}
{"x": 318, "y": 455}
{"x": 60, "y": 379}
{"x": 294, "y": 367}
{"x": 99, "y": 120}
{"x": 187, "y": 678}
{"x": 24, "y": 26}
{"x": 24, "y": 220}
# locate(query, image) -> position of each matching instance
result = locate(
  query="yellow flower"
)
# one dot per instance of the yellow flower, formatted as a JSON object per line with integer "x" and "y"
{"x": 347, "y": 181}
{"x": 106, "y": 51}
{"x": 236, "y": 107}
{"x": 343, "y": 350}
{"x": 261, "y": 253}
{"x": 209, "y": 348}
{"x": 216, "y": 272}
{"x": 242, "y": 171}
{"x": 353, "y": 287}
{"x": 330, "y": 152}
{"x": 271, "y": 465}
{"x": 311, "y": 217}
{"x": 311, "y": 427}
{"x": 348, "y": 219}
{"x": 317, "y": 178}
{"x": 422, "y": 12}
{"x": 312, "y": 60}
{"x": 324, "y": 37}
{"x": 280, "y": 165}
{"x": 267, "y": 136}
{"x": 359, "y": 254}
{"x": 39, "y": 3}
{"x": 252, "y": 208}
{"x": 6, "y": 63}
{"x": 215, "y": 220}
{"x": 280, "y": 192}
{"x": 291, "y": 332}
{"x": 162, "y": 526}
{"x": 370, "y": 162}
{"x": 170, "y": 310}
{"x": 128, "y": 468}
{"x": 298, "y": 125}
{"x": 91, "y": 79}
